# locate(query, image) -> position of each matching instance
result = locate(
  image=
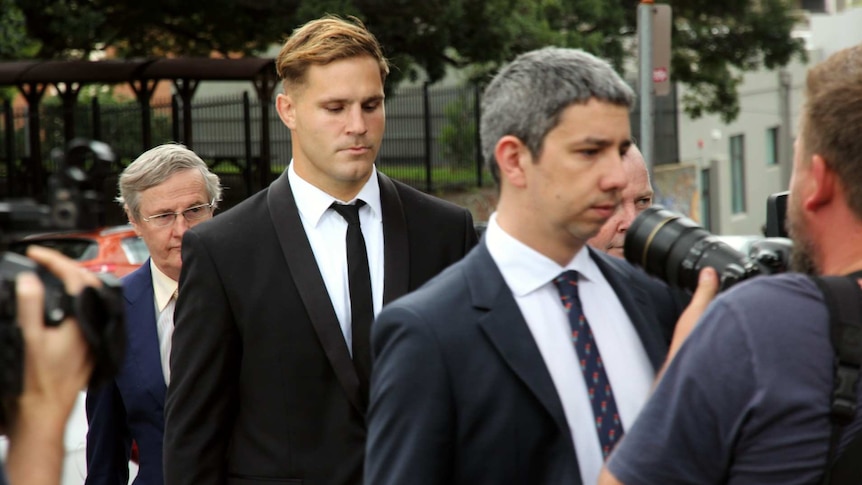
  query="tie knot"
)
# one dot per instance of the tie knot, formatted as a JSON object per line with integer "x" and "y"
{"x": 567, "y": 283}
{"x": 569, "y": 277}
{"x": 350, "y": 212}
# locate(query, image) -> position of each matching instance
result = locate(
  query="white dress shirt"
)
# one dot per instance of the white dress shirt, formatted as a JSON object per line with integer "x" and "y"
{"x": 327, "y": 232}
{"x": 164, "y": 290}
{"x": 530, "y": 276}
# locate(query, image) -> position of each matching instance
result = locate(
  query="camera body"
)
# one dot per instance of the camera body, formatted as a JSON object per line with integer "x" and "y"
{"x": 675, "y": 248}
{"x": 776, "y": 215}
{"x": 73, "y": 202}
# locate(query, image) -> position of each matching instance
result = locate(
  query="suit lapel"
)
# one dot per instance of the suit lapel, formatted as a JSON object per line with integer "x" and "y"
{"x": 638, "y": 306}
{"x": 508, "y": 332}
{"x": 309, "y": 283}
{"x": 143, "y": 347}
{"x": 396, "y": 259}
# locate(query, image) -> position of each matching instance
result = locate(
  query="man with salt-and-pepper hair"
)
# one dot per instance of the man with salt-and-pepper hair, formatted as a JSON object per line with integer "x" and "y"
{"x": 164, "y": 192}
{"x": 526, "y": 361}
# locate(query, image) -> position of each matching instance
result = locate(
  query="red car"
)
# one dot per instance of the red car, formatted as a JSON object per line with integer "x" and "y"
{"x": 116, "y": 250}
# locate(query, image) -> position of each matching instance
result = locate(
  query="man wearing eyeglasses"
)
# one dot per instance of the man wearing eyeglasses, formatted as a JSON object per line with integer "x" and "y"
{"x": 164, "y": 192}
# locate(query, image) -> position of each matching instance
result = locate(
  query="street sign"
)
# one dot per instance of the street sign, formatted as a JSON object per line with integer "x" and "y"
{"x": 661, "y": 26}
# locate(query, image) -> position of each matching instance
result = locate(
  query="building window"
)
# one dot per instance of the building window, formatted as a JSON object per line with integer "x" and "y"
{"x": 737, "y": 173}
{"x": 772, "y": 146}
{"x": 813, "y": 6}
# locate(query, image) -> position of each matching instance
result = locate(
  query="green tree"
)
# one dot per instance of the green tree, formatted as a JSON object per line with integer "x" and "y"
{"x": 14, "y": 42}
{"x": 458, "y": 134}
{"x": 714, "y": 42}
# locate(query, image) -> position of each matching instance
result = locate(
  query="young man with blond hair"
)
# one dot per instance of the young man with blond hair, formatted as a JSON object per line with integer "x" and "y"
{"x": 271, "y": 358}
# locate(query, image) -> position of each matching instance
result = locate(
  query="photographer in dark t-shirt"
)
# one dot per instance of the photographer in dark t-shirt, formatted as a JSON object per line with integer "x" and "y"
{"x": 747, "y": 398}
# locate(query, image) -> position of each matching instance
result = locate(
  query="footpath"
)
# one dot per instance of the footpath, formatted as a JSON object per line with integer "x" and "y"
{"x": 480, "y": 201}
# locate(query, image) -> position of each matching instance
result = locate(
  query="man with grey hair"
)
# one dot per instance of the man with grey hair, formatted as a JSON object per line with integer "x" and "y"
{"x": 490, "y": 373}
{"x": 636, "y": 196}
{"x": 164, "y": 192}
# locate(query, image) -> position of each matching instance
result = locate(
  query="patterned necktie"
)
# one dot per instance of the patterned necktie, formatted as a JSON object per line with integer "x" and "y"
{"x": 607, "y": 418}
{"x": 359, "y": 282}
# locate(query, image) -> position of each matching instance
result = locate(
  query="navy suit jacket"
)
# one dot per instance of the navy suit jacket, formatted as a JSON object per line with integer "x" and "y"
{"x": 130, "y": 407}
{"x": 460, "y": 393}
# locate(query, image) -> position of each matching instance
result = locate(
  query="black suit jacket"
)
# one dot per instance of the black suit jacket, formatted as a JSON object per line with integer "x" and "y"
{"x": 460, "y": 393}
{"x": 263, "y": 389}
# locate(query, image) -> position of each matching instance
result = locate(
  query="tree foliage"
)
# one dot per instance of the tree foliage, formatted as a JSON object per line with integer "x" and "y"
{"x": 714, "y": 42}
{"x": 11, "y": 29}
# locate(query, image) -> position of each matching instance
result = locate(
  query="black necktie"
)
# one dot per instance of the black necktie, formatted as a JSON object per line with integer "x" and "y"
{"x": 359, "y": 281}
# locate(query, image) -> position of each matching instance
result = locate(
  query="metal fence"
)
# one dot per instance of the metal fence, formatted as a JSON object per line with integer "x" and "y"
{"x": 431, "y": 139}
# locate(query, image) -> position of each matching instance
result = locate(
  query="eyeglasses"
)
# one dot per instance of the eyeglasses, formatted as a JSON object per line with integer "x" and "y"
{"x": 192, "y": 214}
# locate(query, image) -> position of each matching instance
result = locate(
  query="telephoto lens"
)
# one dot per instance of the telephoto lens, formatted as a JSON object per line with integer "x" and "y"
{"x": 674, "y": 248}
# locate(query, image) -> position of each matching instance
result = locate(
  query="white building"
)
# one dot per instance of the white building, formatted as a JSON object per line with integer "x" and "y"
{"x": 737, "y": 165}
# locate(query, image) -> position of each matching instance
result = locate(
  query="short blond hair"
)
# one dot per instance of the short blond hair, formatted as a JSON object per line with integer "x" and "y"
{"x": 324, "y": 40}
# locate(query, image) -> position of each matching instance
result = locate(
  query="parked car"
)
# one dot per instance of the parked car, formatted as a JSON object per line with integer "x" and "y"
{"x": 116, "y": 250}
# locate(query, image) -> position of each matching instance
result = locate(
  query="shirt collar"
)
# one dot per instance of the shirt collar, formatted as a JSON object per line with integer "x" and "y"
{"x": 525, "y": 269}
{"x": 312, "y": 202}
{"x": 163, "y": 286}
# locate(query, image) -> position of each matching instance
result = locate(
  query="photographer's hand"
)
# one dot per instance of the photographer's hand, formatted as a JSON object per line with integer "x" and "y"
{"x": 57, "y": 365}
{"x": 707, "y": 288}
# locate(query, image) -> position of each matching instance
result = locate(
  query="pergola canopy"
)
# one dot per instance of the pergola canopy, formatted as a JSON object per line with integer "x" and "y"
{"x": 206, "y": 69}
{"x": 84, "y": 72}
{"x": 11, "y": 71}
{"x": 31, "y": 77}
{"x": 121, "y": 71}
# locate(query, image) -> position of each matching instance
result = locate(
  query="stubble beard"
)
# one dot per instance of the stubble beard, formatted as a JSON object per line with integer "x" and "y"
{"x": 802, "y": 255}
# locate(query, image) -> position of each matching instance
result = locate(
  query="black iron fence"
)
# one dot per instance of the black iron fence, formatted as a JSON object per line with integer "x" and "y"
{"x": 431, "y": 139}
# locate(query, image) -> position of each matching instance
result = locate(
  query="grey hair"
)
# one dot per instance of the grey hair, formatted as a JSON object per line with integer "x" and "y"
{"x": 526, "y": 97}
{"x": 156, "y": 165}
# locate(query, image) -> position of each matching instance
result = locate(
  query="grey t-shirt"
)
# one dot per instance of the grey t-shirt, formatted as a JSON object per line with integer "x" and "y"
{"x": 746, "y": 400}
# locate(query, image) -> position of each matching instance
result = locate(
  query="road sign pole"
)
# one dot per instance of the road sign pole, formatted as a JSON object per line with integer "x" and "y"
{"x": 645, "y": 84}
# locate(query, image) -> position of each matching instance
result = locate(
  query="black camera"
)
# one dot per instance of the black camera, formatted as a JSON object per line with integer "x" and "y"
{"x": 674, "y": 248}
{"x": 73, "y": 202}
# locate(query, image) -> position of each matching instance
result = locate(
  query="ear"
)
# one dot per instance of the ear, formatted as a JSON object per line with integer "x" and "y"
{"x": 285, "y": 105}
{"x": 511, "y": 156}
{"x": 824, "y": 180}
{"x": 132, "y": 220}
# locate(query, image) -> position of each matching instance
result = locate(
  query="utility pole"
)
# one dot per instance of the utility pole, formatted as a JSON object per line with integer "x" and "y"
{"x": 785, "y": 141}
{"x": 645, "y": 88}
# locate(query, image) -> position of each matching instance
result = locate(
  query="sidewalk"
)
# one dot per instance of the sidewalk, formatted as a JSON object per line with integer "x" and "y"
{"x": 480, "y": 201}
